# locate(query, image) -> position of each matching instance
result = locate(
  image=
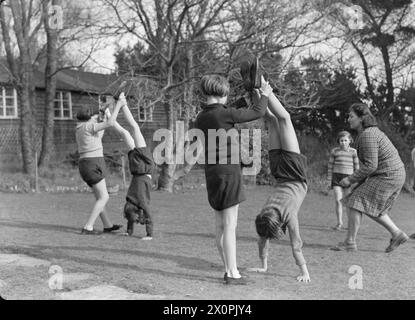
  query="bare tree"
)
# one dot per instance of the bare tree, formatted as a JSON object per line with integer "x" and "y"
{"x": 383, "y": 41}
{"x": 26, "y": 23}
{"x": 168, "y": 28}
{"x": 50, "y": 83}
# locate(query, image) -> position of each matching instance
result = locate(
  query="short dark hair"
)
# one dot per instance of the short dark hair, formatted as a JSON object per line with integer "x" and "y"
{"x": 342, "y": 134}
{"x": 269, "y": 225}
{"x": 362, "y": 111}
{"x": 84, "y": 114}
{"x": 214, "y": 85}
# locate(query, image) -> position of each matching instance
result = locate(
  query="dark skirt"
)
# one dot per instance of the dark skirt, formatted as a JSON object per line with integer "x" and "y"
{"x": 92, "y": 170}
{"x": 224, "y": 190}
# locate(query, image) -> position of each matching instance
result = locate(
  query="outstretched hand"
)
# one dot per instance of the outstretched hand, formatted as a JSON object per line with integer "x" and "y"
{"x": 266, "y": 88}
{"x": 303, "y": 278}
{"x": 345, "y": 182}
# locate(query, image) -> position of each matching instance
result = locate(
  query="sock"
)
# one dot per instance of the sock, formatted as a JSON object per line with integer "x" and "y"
{"x": 234, "y": 274}
{"x": 89, "y": 228}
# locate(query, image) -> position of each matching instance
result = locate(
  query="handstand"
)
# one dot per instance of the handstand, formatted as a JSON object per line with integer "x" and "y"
{"x": 288, "y": 166}
{"x": 137, "y": 206}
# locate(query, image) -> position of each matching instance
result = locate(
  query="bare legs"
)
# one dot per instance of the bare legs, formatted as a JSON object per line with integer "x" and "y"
{"x": 139, "y": 141}
{"x": 353, "y": 221}
{"x": 101, "y": 196}
{"x": 338, "y": 195}
{"x": 281, "y": 130}
{"x": 226, "y": 222}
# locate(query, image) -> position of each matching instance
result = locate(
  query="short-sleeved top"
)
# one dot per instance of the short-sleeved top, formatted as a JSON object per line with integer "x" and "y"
{"x": 342, "y": 161}
{"x": 215, "y": 117}
{"x": 88, "y": 139}
{"x": 288, "y": 166}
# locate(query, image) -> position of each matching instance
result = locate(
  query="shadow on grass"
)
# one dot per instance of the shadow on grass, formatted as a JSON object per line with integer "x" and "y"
{"x": 184, "y": 262}
{"x": 251, "y": 239}
{"x": 35, "y": 225}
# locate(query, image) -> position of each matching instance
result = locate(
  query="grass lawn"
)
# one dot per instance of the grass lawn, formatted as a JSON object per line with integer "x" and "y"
{"x": 182, "y": 262}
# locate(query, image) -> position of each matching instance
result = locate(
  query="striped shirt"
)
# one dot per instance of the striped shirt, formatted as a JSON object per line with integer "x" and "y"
{"x": 342, "y": 161}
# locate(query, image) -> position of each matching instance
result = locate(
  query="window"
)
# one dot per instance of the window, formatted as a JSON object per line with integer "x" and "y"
{"x": 63, "y": 105}
{"x": 8, "y": 103}
{"x": 145, "y": 113}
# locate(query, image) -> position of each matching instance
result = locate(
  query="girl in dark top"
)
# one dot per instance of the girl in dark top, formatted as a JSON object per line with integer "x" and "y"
{"x": 222, "y": 164}
{"x": 140, "y": 160}
{"x": 380, "y": 179}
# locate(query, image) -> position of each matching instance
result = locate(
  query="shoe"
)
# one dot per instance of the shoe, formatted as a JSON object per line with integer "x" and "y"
{"x": 147, "y": 238}
{"x": 338, "y": 227}
{"x": 114, "y": 227}
{"x": 251, "y": 76}
{"x": 345, "y": 246}
{"x": 412, "y": 236}
{"x": 90, "y": 232}
{"x": 236, "y": 281}
{"x": 401, "y": 238}
{"x": 225, "y": 276}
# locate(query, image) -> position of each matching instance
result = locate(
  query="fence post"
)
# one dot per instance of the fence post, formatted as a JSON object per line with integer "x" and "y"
{"x": 123, "y": 172}
{"x": 36, "y": 174}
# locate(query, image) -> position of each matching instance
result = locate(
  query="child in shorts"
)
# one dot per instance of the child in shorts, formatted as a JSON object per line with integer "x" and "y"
{"x": 89, "y": 133}
{"x": 343, "y": 161}
{"x": 288, "y": 166}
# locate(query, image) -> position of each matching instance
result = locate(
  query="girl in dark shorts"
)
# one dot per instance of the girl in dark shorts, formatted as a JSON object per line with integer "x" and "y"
{"x": 223, "y": 177}
{"x": 343, "y": 161}
{"x": 288, "y": 166}
{"x": 89, "y": 132}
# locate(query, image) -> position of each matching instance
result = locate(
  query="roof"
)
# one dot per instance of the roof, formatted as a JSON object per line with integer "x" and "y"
{"x": 70, "y": 80}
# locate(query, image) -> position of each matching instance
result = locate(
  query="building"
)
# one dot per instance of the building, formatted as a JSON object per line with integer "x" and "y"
{"x": 74, "y": 89}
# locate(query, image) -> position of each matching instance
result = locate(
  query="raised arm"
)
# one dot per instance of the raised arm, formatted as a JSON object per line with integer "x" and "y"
{"x": 111, "y": 119}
